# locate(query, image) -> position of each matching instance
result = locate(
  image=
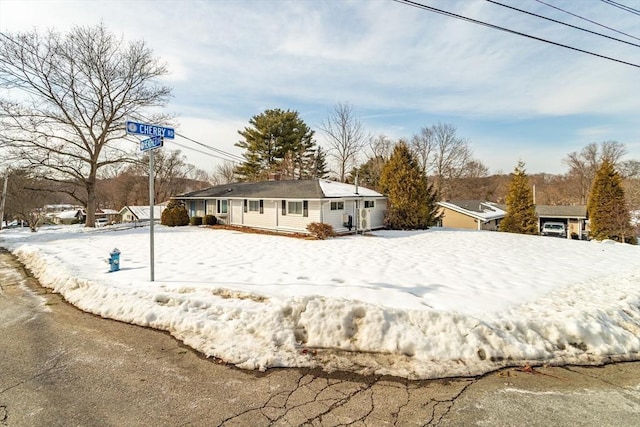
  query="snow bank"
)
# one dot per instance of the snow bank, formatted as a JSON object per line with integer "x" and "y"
{"x": 417, "y": 305}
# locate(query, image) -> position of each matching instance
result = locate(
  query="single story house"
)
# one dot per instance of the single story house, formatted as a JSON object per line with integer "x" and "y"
{"x": 471, "y": 214}
{"x": 141, "y": 213}
{"x": 573, "y": 216}
{"x": 290, "y": 205}
{"x": 479, "y": 215}
{"x": 67, "y": 217}
{"x": 80, "y": 216}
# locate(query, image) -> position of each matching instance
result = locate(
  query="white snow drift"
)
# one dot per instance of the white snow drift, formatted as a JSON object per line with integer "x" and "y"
{"x": 419, "y": 304}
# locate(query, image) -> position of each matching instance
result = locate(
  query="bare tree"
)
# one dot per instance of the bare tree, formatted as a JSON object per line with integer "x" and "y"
{"x": 423, "y": 146}
{"x": 450, "y": 158}
{"x": 26, "y": 198}
{"x": 75, "y": 92}
{"x": 171, "y": 173}
{"x": 224, "y": 174}
{"x": 346, "y": 137}
{"x": 583, "y": 165}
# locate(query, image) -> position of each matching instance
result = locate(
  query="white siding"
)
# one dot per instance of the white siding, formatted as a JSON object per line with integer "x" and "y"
{"x": 266, "y": 219}
{"x": 236, "y": 211}
{"x": 298, "y": 223}
{"x": 334, "y": 218}
{"x": 377, "y": 213}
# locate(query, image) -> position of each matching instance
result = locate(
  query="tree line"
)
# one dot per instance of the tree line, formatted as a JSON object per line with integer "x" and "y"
{"x": 63, "y": 134}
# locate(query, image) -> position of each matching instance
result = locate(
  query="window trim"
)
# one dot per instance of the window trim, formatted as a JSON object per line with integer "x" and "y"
{"x": 254, "y": 205}
{"x": 290, "y": 203}
{"x": 337, "y": 206}
{"x": 219, "y": 203}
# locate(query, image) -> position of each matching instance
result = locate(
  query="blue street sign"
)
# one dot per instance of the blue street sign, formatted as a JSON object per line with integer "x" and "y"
{"x": 150, "y": 130}
{"x": 151, "y": 143}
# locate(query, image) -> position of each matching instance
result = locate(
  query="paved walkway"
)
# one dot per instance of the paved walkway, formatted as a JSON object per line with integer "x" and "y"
{"x": 61, "y": 367}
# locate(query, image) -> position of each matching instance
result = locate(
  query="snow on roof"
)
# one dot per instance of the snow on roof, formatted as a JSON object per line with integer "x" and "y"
{"x": 340, "y": 189}
{"x": 485, "y": 211}
{"x": 287, "y": 189}
{"x": 67, "y": 214}
{"x": 143, "y": 212}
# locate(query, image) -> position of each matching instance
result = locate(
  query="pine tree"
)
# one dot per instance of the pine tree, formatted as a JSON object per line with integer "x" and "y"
{"x": 412, "y": 201}
{"x": 318, "y": 164}
{"x": 609, "y": 214}
{"x": 276, "y": 141}
{"x": 521, "y": 211}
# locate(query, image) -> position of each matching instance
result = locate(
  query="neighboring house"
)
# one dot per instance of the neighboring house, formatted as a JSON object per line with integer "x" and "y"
{"x": 573, "y": 216}
{"x": 111, "y": 215}
{"x": 479, "y": 215}
{"x": 140, "y": 213}
{"x": 67, "y": 217}
{"x": 290, "y": 206}
{"x": 471, "y": 214}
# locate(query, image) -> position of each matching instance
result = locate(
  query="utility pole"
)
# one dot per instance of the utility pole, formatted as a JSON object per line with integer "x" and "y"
{"x": 4, "y": 197}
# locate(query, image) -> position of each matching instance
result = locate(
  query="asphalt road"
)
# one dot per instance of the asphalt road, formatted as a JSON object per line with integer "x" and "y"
{"x": 60, "y": 366}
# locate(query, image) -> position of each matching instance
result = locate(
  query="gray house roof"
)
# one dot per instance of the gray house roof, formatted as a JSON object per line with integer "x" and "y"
{"x": 298, "y": 189}
{"x": 558, "y": 211}
{"x": 561, "y": 211}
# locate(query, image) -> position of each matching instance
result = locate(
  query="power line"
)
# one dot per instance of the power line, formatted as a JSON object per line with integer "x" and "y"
{"x": 562, "y": 23}
{"x": 622, "y": 6}
{"x": 587, "y": 19}
{"x": 497, "y": 27}
{"x": 231, "y": 157}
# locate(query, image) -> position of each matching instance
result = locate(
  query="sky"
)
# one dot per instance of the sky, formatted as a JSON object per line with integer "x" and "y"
{"x": 401, "y": 69}
{"x": 415, "y": 304}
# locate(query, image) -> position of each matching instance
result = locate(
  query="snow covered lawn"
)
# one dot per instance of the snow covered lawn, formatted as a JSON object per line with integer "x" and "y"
{"x": 420, "y": 304}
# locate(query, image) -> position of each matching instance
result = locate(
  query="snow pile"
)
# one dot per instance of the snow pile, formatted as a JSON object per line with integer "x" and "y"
{"x": 422, "y": 304}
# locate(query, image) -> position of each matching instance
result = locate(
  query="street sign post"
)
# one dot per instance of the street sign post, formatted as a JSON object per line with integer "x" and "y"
{"x": 157, "y": 135}
{"x": 150, "y": 130}
{"x": 151, "y": 143}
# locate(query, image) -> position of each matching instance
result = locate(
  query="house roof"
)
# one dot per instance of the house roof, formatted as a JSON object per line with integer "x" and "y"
{"x": 484, "y": 211}
{"x": 289, "y": 189}
{"x": 67, "y": 214}
{"x": 558, "y": 211}
{"x": 561, "y": 211}
{"x": 143, "y": 212}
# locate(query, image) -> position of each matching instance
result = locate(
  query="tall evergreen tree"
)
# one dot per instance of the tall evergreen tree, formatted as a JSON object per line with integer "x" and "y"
{"x": 521, "y": 211}
{"x": 609, "y": 214}
{"x": 276, "y": 141}
{"x": 317, "y": 166}
{"x": 412, "y": 201}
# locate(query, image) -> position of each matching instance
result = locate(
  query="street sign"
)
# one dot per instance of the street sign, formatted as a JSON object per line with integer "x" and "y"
{"x": 151, "y": 143}
{"x": 150, "y": 130}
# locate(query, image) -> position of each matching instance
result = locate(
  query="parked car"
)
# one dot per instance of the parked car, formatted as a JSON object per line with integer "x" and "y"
{"x": 101, "y": 222}
{"x": 555, "y": 229}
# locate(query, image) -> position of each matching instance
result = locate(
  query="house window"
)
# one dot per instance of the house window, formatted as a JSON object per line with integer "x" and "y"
{"x": 369, "y": 204}
{"x": 256, "y": 206}
{"x": 297, "y": 208}
{"x": 294, "y": 208}
{"x": 337, "y": 206}
{"x": 223, "y": 206}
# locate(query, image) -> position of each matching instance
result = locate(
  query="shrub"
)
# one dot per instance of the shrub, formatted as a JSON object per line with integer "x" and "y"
{"x": 175, "y": 214}
{"x": 321, "y": 230}
{"x": 196, "y": 220}
{"x": 210, "y": 220}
